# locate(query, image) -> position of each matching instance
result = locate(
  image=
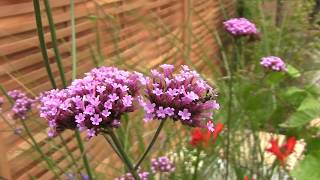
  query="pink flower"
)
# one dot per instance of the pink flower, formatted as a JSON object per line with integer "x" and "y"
{"x": 183, "y": 97}
{"x": 273, "y": 63}
{"x": 240, "y": 27}
{"x": 185, "y": 115}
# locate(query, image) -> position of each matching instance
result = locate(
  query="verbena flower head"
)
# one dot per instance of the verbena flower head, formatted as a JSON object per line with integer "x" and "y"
{"x": 284, "y": 151}
{"x": 162, "y": 165}
{"x": 22, "y": 104}
{"x": 128, "y": 176}
{"x": 240, "y": 27}
{"x": 183, "y": 97}
{"x": 273, "y": 63}
{"x": 93, "y": 103}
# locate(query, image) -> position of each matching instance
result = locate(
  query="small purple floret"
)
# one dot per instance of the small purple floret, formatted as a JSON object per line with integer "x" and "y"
{"x": 162, "y": 165}
{"x": 22, "y": 104}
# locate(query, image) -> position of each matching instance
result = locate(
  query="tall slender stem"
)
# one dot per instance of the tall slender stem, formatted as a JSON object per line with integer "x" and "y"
{"x": 73, "y": 41}
{"x": 84, "y": 156}
{"x": 153, "y": 140}
{"x": 195, "y": 174}
{"x": 54, "y": 42}
{"x": 114, "y": 148}
{"x": 35, "y": 145}
{"x": 74, "y": 73}
{"x": 229, "y": 113}
{"x": 60, "y": 67}
{"x": 43, "y": 46}
{"x": 125, "y": 158}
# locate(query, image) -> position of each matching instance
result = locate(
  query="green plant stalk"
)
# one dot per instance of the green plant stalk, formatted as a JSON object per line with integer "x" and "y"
{"x": 73, "y": 41}
{"x": 35, "y": 144}
{"x": 6, "y": 94}
{"x": 60, "y": 67}
{"x": 47, "y": 160}
{"x": 74, "y": 74}
{"x": 114, "y": 148}
{"x": 195, "y": 174}
{"x": 54, "y": 42}
{"x": 153, "y": 140}
{"x": 42, "y": 42}
{"x": 233, "y": 68}
{"x": 84, "y": 156}
{"x": 125, "y": 158}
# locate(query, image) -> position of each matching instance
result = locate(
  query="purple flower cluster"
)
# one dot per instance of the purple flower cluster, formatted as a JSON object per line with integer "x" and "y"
{"x": 184, "y": 96}
{"x": 1, "y": 103}
{"x": 273, "y": 63}
{"x": 240, "y": 27}
{"x": 72, "y": 176}
{"x": 95, "y": 102}
{"x": 143, "y": 176}
{"x": 22, "y": 104}
{"x": 162, "y": 165}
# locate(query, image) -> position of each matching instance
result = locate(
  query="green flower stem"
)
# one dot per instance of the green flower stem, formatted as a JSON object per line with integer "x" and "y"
{"x": 54, "y": 42}
{"x": 233, "y": 69}
{"x": 60, "y": 67}
{"x": 35, "y": 145}
{"x": 195, "y": 174}
{"x": 84, "y": 156}
{"x": 74, "y": 74}
{"x": 153, "y": 140}
{"x": 73, "y": 41}
{"x": 125, "y": 158}
{"x": 42, "y": 42}
{"x": 112, "y": 145}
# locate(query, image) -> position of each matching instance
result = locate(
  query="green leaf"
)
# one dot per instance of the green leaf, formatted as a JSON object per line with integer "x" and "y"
{"x": 309, "y": 102}
{"x": 293, "y": 72}
{"x": 295, "y": 96}
{"x": 300, "y": 118}
{"x": 308, "y": 168}
{"x": 275, "y": 77}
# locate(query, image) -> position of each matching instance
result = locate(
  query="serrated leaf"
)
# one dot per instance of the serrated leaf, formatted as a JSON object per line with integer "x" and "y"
{"x": 293, "y": 72}
{"x": 301, "y": 118}
{"x": 308, "y": 168}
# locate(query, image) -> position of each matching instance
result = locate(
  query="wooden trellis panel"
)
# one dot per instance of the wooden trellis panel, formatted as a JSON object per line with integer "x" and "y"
{"x": 136, "y": 34}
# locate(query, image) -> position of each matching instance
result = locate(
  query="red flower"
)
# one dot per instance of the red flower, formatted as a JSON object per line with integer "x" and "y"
{"x": 246, "y": 178}
{"x": 217, "y": 130}
{"x": 289, "y": 146}
{"x": 201, "y": 137}
{"x": 284, "y": 151}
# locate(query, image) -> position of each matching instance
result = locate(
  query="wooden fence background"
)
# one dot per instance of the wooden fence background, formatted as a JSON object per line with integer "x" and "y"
{"x": 135, "y": 34}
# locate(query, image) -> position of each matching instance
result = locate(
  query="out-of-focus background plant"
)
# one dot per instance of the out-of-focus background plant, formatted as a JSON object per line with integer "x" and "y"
{"x": 267, "y": 126}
